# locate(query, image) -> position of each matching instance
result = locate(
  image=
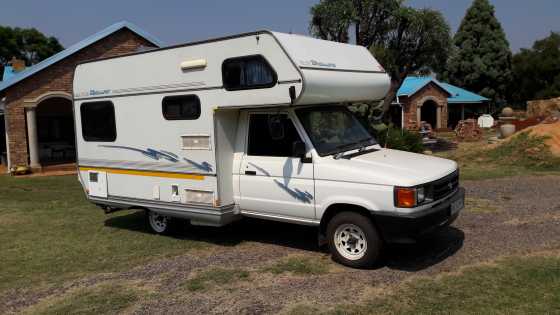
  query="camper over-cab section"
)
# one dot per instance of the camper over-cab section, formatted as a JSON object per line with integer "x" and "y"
{"x": 272, "y": 68}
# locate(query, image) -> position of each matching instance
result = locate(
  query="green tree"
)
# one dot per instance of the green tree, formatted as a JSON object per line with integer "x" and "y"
{"x": 27, "y": 44}
{"x": 481, "y": 59}
{"x": 404, "y": 39}
{"x": 536, "y": 71}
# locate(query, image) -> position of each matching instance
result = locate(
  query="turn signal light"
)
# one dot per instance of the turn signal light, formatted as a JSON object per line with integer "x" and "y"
{"x": 405, "y": 197}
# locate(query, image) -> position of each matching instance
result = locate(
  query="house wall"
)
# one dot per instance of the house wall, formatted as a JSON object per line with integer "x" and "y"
{"x": 412, "y": 106}
{"x": 58, "y": 78}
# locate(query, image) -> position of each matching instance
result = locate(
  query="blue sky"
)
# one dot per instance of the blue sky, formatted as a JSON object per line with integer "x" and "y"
{"x": 176, "y": 21}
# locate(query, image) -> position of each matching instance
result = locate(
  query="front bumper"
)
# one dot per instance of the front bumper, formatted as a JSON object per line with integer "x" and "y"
{"x": 407, "y": 228}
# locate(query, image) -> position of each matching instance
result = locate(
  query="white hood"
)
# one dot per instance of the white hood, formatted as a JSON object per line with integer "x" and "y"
{"x": 386, "y": 167}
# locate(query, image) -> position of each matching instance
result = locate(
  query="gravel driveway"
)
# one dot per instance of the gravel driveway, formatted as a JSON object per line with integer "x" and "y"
{"x": 503, "y": 217}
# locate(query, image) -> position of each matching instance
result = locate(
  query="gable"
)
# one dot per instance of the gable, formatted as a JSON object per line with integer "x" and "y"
{"x": 103, "y": 34}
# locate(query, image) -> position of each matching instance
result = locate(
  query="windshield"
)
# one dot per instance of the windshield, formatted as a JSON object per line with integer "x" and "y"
{"x": 334, "y": 129}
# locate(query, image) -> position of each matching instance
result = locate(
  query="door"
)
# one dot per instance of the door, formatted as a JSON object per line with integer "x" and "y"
{"x": 272, "y": 180}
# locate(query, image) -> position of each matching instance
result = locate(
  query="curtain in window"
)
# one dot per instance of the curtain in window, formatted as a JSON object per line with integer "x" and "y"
{"x": 256, "y": 73}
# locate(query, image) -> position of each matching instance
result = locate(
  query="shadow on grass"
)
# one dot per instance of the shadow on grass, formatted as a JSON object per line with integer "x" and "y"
{"x": 426, "y": 252}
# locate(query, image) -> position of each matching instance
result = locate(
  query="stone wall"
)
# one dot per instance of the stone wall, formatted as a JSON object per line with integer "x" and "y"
{"x": 412, "y": 105}
{"x": 58, "y": 78}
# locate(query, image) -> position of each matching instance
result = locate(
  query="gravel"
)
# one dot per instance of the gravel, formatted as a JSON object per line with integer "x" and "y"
{"x": 526, "y": 219}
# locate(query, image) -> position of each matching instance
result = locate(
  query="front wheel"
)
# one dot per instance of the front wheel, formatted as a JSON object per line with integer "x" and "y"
{"x": 159, "y": 224}
{"x": 353, "y": 240}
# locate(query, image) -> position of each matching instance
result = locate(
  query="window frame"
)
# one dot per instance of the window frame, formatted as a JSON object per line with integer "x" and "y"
{"x": 87, "y": 138}
{"x": 252, "y": 87}
{"x": 180, "y": 96}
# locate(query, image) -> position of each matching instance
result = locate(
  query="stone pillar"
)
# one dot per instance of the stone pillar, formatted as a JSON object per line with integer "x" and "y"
{"x": 32, "y": 140}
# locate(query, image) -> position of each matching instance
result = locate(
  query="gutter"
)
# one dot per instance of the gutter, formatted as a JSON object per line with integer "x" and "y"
{"x": 3, "y": 112}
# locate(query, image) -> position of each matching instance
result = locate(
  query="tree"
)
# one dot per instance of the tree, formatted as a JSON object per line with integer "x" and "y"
{"x": 481, "y": 59}
{"x": 404, "y": 39}
{"x": 416, "y": 43}
{"x": 536, "y": 71}
{"x": 28, "y": 44}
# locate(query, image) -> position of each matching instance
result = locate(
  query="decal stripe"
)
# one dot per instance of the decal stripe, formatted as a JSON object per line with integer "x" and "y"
{"x": 143, "y": 173}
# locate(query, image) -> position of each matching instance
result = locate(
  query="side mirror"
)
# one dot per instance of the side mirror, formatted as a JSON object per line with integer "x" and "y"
{"x": 298, "y": 149}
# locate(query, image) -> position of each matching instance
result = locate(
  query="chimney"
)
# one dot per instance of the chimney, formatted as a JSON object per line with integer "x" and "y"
{"x": 17, "y": 64}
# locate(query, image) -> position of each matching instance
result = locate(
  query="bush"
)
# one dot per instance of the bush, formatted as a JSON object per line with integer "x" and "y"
{"x": 395, "y": 138}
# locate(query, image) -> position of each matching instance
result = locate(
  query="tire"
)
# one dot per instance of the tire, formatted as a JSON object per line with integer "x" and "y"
{"x": 157, "y": 223}
{"x": 353, "y": 240}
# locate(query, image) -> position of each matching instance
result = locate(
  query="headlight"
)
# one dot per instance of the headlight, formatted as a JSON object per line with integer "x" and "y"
{"x": 420, "y": 194}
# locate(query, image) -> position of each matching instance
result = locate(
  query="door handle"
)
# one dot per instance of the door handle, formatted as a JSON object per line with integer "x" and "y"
{"x": 250, "y": 172}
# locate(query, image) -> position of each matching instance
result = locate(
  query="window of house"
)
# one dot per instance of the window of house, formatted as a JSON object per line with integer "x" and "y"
{"x": 262, "y": 143}
{"x": 181, "y": 107}
{"x": 98, "y": 121}
{"x": 251, "y": 72}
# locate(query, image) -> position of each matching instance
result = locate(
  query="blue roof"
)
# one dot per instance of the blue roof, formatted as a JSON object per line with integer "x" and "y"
{"x": 75, "y": 48}
{"x": 8, "y": 73}
{"x": 412, "y": 85}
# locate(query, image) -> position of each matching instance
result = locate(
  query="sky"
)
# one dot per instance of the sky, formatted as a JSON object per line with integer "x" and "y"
{"x": 179, "y": 21}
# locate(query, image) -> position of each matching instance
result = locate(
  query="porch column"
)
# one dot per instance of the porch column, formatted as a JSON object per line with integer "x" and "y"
{"x": 439, "y": 109}
{"x": 32, "y": 142}
{"x": 462, "y": 111}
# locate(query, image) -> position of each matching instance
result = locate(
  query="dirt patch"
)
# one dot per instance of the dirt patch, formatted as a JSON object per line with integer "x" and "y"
{"x": 552, "y": 131}
{"x": 526, "y": 223}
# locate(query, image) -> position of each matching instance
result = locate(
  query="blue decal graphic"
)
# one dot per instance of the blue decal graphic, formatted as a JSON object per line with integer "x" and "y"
{"x": 205, "y": 166}
{"x": 151, "y": 153}
{"x": 302, "y": 196}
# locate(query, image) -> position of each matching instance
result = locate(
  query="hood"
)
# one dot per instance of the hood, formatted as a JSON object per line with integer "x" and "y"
{"x": 386, "y": 167}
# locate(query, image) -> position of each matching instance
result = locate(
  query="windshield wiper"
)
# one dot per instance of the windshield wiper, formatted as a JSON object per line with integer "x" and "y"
{"x": 360, "y": 145}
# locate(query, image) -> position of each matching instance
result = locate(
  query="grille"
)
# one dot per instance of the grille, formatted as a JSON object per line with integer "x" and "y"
{"x": 445, "y": 186}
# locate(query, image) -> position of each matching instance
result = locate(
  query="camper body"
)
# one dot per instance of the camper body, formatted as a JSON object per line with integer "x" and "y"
{"x": 254, "y": 125}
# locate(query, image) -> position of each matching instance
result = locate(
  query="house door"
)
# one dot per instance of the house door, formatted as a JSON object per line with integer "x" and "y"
{"x": 272, "y": 181}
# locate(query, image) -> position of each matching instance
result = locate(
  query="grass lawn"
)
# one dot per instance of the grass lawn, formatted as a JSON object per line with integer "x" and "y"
{"x": 527, "y": 285}
{"x": 522, "y": 155}
{"x": 50, "y": 233}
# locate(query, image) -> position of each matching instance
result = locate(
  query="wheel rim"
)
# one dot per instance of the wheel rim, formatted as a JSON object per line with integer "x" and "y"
{"x": 158, "y": 222}
{"x": 350, "y": 241}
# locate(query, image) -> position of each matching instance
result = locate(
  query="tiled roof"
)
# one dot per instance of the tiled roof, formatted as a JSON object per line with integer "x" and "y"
{"x": 75, "y": 48}
{"x": 412, "y": 85}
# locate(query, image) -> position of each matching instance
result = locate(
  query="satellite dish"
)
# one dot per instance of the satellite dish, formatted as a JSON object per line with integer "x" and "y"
{"x": 486, "y": 121}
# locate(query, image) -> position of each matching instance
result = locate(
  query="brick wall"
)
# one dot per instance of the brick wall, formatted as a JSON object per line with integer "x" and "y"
{"x": 412, "y": 105}
{"x": 58, "y": 78}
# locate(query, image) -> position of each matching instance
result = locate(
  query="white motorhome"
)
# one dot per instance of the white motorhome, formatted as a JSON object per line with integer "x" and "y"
{"x": 255, "y": 125}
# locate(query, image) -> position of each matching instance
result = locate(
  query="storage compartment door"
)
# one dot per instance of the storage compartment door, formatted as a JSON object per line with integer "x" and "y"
{"x": 97, "y": 184}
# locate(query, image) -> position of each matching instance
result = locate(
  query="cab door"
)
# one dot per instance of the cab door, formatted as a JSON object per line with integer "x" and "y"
{"x": 273, "y": 182}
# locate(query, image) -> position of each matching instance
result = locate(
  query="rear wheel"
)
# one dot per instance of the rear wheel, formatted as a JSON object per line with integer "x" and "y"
{"x": 353, "y": 240}
{"x": 159, "y": 224}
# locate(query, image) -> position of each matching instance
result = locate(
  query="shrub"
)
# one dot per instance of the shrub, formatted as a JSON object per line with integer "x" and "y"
{"x": 395, "y": 138}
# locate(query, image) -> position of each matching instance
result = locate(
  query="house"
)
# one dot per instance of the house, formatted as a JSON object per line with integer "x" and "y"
{"x": 36, "y": 103}
{"x": 440, "y": 104}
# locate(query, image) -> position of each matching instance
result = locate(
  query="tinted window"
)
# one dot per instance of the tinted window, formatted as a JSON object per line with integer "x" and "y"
{"x": 98, "y": 121}
{"x": 251, "y": 72}
{"x": 262, "y": 143}
{"x": 181, "y": 107}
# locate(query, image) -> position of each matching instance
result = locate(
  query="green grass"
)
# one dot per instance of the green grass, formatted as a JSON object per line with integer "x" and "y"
{"x": 215, "y": 277}
{"x": 300, "y": 266}
{"x": 523, "y": 154}
{"x": 479, "y": 205}
{"x": 529, "y": 285}
{"x": 106, "y": 299}
{"x": 50, "y": 233}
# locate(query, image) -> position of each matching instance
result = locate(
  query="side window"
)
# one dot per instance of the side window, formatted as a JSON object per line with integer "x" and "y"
{"x": 262, "y": 143}
{"x": 181, "y": 107}
{"x": 98, "y": 121}
{"x": 251, "y": 72}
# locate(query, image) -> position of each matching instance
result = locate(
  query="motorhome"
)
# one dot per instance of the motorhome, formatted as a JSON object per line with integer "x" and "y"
{"x": 255, "y": 125}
